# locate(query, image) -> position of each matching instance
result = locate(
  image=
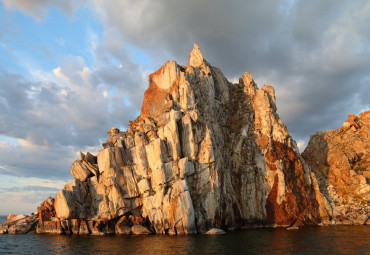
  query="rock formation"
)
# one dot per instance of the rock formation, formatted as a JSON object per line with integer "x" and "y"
{"x": 204, "y": 153}
{"x": 19, "y": 224}
{"x": 341, "y": 159}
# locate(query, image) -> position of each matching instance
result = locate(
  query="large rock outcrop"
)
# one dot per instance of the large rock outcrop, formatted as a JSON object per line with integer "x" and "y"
{"x": 341, "y": 159}
{"x": 204, "y": 153}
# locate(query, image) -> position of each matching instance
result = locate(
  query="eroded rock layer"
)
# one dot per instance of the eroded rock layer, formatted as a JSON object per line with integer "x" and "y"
{"x": 203, "y": 154}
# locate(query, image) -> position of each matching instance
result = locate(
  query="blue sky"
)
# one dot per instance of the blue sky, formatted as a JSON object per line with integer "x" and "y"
{"x": 70, "y": 70}
{"x": 43, "y": 44}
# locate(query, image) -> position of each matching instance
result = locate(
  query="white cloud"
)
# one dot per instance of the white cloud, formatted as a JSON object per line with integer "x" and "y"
{"x": 58, "y": 73}
{"x": 30, "y": 145}
{"x": 301, "y": 145}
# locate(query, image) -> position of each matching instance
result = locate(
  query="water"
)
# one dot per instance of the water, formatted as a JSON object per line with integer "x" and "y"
{"x": 308, "y": 240}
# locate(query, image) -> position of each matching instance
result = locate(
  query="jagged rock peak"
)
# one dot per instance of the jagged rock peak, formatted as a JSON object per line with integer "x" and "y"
{"x": 250, "y": 87}
{"x": 195, "y": 57}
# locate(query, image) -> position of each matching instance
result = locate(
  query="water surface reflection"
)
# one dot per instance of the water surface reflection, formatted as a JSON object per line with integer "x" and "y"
{"x": 309, "y": 240}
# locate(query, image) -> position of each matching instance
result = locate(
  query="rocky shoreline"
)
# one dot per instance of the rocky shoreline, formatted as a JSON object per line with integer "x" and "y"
{"x": 31, "y": 224}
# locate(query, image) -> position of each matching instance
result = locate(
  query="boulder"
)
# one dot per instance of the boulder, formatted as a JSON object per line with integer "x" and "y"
{"x": 79, "y": 171}
{"x": 292, "y": 228}
{"x": 13, "y": 219}
{"x": 92, "y": 168}
{"x": 90, "y": 158}
{"x": 215, "y": 231}
{"x": 20, "y": 224}
{"x": 65, "y": 205}
{"x": 21, "y": 227}
{"x": 140, "y": 230}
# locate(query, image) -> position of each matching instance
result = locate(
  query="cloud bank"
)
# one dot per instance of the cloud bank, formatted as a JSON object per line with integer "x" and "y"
{"x": 315, "y": 53}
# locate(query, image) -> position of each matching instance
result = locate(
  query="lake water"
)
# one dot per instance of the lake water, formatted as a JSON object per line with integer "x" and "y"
{"x": 308, "y": 240}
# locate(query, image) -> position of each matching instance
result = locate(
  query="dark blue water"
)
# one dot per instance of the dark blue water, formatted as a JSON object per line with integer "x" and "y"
{"x": 308, "y": 240}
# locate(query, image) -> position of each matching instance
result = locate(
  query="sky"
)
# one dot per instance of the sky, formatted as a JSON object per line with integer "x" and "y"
{"x": 70, "y": 70}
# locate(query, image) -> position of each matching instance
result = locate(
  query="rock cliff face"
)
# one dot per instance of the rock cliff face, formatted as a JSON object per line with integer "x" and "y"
{"x": 204, "y": 153}
{"x": 341, "y": 159}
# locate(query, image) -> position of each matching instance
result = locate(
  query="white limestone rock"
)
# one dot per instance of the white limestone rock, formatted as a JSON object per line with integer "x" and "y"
{"x": 79, "y": 171}
{"x": 65, "y": 205}
{"x": 195, "y": 57}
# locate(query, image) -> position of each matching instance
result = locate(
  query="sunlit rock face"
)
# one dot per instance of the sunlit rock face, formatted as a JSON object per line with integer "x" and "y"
{"x": 341, "y": 159}
{"x": 204, "y": 153}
